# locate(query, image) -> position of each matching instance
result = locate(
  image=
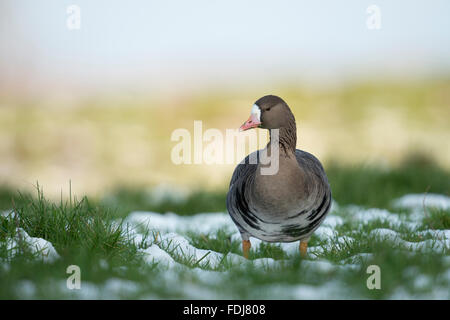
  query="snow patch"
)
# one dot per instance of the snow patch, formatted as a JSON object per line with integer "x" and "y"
{"x": 171, "y": 222}
{"x": 37, "y": 245}
{"x": 437, "y": 245}
{"x": 419, "y": 200}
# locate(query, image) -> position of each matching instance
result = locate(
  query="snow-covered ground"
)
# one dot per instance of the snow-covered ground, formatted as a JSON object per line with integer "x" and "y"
{"x": 171, "y": 228}
{"x": 170, "y": 240}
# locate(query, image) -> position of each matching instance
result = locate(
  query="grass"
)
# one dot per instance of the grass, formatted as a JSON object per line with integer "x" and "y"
{"x": 132, "y": 135}
{"x": 91, "y": 233}
{"x": 81, "y": 233}
{"x": 125, "y": 200}
{"x": 374, "y": 186}
{"x": 221, "y": 242}
{"x": 72, "y": 225}
{"x": 438, "y": 219}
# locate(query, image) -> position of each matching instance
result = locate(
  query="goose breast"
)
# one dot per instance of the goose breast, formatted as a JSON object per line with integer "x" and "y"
{"x": 279, "y": 209}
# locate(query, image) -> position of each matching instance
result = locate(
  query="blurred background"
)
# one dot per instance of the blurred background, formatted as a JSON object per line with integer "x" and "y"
{"x": 96, "y": 105}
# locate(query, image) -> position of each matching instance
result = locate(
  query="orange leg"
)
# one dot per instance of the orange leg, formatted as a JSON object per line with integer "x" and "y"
{"x": 303, "y": 248}
{"x": 246, "y": 247}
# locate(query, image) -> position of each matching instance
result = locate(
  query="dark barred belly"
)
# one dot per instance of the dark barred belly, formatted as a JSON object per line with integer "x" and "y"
{"x": 297, "y": 227}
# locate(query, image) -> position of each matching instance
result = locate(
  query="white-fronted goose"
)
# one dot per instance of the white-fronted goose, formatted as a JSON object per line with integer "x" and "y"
{"x": 288, "y": 205}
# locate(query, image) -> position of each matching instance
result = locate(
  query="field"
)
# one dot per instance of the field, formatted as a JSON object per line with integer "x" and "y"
{"x": 155, "y": 243}
{"x": 123, "y": 139}
{"x": 99, "y": 102}
{"x": 150, "y": 229}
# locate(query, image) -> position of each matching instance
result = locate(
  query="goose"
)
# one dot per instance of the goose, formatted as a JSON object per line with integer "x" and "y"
{"x": 283, "y": 206}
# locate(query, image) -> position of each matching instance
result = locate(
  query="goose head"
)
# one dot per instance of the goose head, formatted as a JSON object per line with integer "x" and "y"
{"x": 269, "y": 112}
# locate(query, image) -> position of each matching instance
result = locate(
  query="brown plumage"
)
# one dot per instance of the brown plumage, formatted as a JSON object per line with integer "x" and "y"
{"x": 288, "y": 205}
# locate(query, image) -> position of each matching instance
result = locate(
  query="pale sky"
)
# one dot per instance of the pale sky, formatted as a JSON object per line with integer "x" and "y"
{"x": 198, "y": 41}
